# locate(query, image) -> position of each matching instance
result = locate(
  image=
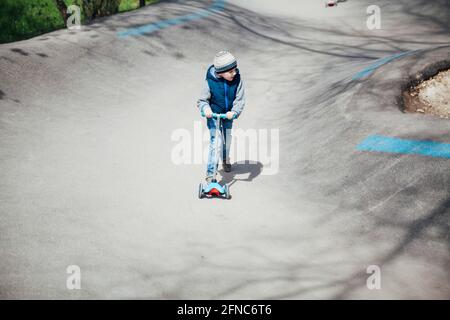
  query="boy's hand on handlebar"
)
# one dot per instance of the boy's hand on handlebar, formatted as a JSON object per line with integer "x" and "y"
{"x": 208, "y": 112}
{"x": 230, "y": 115}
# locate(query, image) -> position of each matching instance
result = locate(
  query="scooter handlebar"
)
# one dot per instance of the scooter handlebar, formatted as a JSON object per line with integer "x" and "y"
{"x": 218, "y": 115}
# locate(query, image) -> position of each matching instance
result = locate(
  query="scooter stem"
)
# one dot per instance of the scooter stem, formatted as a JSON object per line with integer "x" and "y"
{"x": 219, "y": 117}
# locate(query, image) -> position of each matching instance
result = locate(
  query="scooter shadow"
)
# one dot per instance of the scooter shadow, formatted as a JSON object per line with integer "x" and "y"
{"x": 250, "y": 168}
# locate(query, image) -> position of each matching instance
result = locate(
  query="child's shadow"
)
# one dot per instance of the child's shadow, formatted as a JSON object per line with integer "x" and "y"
{"x": 244, "y": 168}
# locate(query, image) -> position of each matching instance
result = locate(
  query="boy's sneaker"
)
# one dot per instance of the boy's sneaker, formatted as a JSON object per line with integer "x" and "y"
{"x": 209, "y": 179}
{"x": 226, "y": 167}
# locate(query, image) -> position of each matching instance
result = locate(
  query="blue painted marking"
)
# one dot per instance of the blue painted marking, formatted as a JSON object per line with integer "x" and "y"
{"x": 367, "y": 71}
{"x": 377, "y": 143}
{"x": 218, "y": 5}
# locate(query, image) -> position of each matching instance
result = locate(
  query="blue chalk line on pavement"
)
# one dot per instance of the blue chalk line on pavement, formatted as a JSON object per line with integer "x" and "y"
{"x": 377, "y": 143}
{"x": 370, "y": 69}
{"x": 218, "y": 5}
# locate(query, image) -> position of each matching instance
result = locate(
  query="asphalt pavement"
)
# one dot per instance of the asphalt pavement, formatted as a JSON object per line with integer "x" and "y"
{"x": 91, "y": 123}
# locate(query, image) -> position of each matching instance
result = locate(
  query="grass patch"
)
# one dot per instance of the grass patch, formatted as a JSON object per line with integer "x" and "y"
{"x": 127, "y": 5}
{"x": 24, "y": 19}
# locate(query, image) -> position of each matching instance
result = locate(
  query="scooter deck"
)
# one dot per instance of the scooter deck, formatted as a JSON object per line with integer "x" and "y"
{"x": 214, "y": 189}
{"x": 214, "y": 185}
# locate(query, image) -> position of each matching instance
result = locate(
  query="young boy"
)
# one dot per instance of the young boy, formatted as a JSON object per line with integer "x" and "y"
{"x": 223, "y": 92}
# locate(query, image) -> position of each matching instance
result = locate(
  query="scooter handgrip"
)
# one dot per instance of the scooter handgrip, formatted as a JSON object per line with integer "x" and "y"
{"x": 218, "y": 115}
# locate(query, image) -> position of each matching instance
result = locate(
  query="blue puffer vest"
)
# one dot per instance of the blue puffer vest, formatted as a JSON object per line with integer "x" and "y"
{"x": 223, "y": 92}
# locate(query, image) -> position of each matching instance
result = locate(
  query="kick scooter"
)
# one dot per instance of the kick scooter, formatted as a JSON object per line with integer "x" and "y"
{"x": 214, "y": 189}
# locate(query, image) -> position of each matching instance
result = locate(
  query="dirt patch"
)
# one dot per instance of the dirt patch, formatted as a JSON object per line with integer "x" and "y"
{"x": 431, "y": 96}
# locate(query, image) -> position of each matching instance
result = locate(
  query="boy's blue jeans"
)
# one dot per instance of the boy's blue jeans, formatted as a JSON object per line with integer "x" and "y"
{"x": 224, "y": 146}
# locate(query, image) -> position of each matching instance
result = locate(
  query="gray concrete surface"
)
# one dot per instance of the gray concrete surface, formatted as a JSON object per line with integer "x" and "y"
{"x": 86, "y": 176}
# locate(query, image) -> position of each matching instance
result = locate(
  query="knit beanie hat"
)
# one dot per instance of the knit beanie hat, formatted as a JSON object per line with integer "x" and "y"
{"x": 224, "y": 61}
